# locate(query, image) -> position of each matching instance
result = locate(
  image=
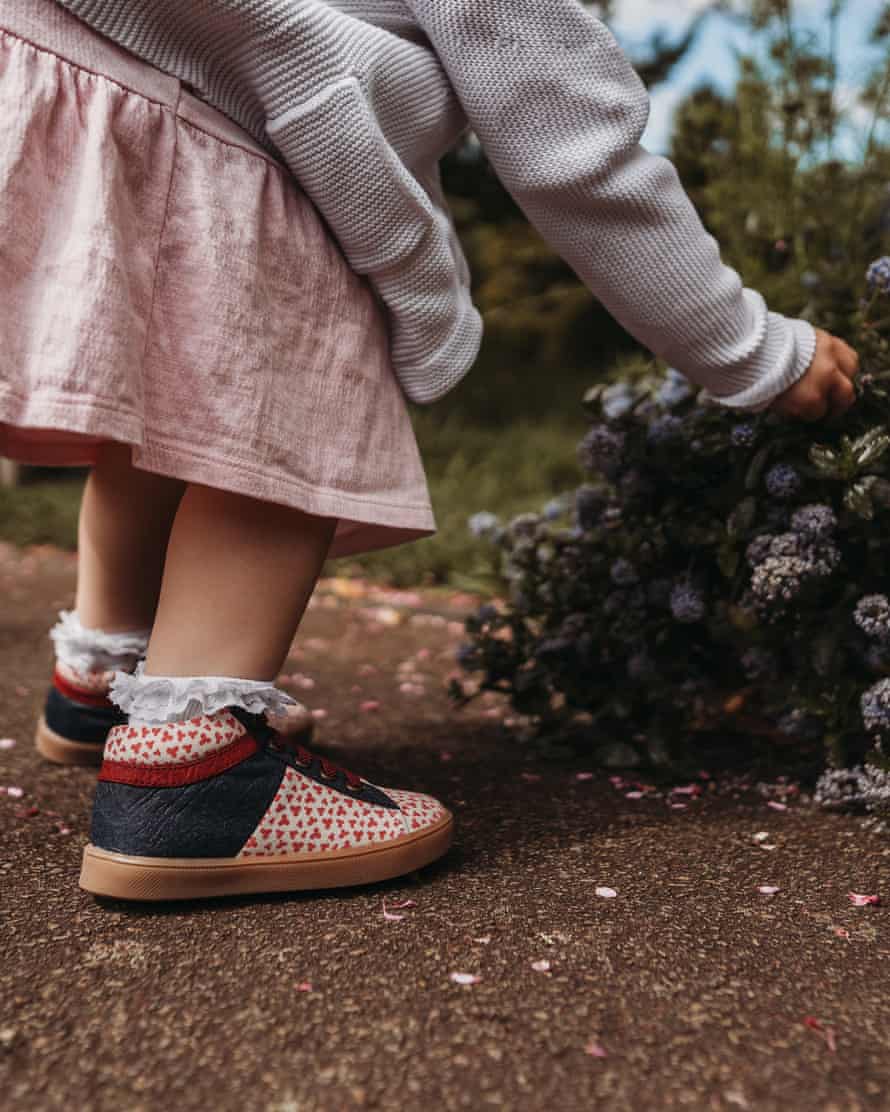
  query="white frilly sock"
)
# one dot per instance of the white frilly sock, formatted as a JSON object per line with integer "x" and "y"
{"x": 153, "y": 700}
{"x": 86, "y": 651}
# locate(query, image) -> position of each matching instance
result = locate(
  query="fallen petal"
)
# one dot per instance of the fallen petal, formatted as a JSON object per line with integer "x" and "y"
{"x": 606, "y": 893}
{"x": 319, "y": 712}
{"x": 542, "y": 966}
{"x": 777, "y": 806}
{"x": 842, "y": 932}
{"x": 767, "y": 890}
{"x": 7, "y": 742}
{"x": 529, "y": 777}
{"x": 633, "y": 795}
{"x": 404, "y": 903}
{"x": 303, "y": 986}
{"x": 857, "y": 899}
{"x": 594, "y": 1049}
{"x": 369, "y": 706}
{"x": 583, "y": 775}
{"x": 483, "y": 939}
{"x": 16, "y": 793}
{"x": 465, "y": 978}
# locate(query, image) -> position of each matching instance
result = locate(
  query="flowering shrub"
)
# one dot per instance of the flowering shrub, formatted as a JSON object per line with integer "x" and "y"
{"x": 711, "y": 561}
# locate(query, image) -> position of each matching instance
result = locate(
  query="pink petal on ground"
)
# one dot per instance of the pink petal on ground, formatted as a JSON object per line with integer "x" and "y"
{"x": 7, "y": 743}
{"x": 483, "y": 939}
{"x": 16, "y": 793}
{"x": 424, "y": 654}
{"x": 403, "y": 904}
{"x": 767, "y": 890}
{"x": 465, "y": 978}
{"x": 542, "y": 966}
{"x": 777, "y": 806}
{"x": 583, "y": 775}
{"x": 679, "y": 806}
{"x": 445, "y": 756}
{"x": 689, "y": 789}
{"x": 319, "y": 712}
{"x": 64, "y": 829}
{"x": 633, "y": 795}
{"x": 529, "y": 777}
{"x": 606, "y": 893}
{"x": 367, "y": 670}
{"x": 842, "y": 932}
{"x": 369, "y": 706}
{"x": 388, "y": 915}
{"x": 303, "y": 986}
{"x": 859, "y": 900}
{"x": 594, "y": 1049}
{"x": 825, "y": 1030}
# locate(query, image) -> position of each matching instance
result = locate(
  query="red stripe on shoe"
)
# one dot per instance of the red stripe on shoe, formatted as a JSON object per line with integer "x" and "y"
{"x": 79, "y": 694}
{"x": 174, "y": 776}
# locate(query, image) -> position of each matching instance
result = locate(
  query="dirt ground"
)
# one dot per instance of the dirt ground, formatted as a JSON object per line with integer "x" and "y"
{"x": 687, "y": 988}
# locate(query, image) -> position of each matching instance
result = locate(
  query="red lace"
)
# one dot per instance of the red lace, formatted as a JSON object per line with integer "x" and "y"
{"x": 328, "y": 769}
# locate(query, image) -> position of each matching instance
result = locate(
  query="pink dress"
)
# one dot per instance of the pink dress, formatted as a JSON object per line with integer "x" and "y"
{"x": 168, "y": 285}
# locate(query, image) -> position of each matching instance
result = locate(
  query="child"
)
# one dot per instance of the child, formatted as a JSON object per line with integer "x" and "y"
{"x": 227, "y": 259}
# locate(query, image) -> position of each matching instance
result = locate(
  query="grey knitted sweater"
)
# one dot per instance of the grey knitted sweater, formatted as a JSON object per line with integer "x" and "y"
{"x": 361, "y": 98}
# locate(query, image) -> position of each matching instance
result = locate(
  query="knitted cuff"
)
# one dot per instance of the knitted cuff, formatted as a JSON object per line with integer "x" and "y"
{"x": 154, "y": 700}
{"x": 93, "y": 650}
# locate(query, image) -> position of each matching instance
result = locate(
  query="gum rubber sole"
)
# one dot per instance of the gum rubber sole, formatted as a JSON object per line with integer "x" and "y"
{"x": 61, "y": 751}
{"x": 171, "y": 878}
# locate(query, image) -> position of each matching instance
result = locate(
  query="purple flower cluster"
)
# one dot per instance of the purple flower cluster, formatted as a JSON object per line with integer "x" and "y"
{"x": 782, "y": 482}
{"x": 665, "y": 429}
{"x": 743, "y": 435}
{"x": 814, "y": 521}
{"x": 877, "y": 276}
{"x": 872, "y": 615}
{"x": 687, "y": 603}
{"x": 875, "y": 704}
{"x": 602, "y": 449}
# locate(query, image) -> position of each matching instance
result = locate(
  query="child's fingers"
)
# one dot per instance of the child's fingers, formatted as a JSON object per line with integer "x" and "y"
{"x": 847, "y": 357}
{"x": 841, "y": 394}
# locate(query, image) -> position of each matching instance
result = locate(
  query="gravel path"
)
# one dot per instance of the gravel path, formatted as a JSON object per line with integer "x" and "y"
{"x": 688, "y": 988}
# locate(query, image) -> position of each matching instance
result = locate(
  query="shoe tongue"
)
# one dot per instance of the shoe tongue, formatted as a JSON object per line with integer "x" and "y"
{"x": 255, "y": 724}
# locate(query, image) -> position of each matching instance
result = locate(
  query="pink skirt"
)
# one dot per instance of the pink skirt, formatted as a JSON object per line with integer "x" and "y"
{"x": 167, "y": 284}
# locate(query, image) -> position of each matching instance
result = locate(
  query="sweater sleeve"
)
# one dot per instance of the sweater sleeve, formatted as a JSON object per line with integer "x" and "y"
{"x": 559, "y": 110}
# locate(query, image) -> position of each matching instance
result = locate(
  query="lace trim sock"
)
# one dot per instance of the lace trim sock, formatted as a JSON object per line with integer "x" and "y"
{"x": 153, "y": 700}
{"x": 87, "y": 657}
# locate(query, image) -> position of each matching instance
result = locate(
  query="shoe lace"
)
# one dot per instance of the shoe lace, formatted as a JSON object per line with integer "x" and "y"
{"x": 329, "y": 769}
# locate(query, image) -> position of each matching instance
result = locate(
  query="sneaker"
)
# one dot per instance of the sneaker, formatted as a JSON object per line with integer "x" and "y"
{"x": 225, "y": 805}
{"x": 77, "y": 718}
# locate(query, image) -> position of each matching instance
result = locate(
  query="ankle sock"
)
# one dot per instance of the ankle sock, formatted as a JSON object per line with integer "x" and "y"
{"x": 87, "y": 657}
{"x": 154, "y": 700}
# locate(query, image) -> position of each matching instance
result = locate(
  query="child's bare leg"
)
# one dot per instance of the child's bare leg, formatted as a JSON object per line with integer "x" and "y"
{"x": 238, "y": 575}
{"x": 125, "y": 523}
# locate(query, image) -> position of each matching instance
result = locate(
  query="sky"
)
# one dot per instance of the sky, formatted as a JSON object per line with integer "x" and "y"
{"x": 712, "y": 57}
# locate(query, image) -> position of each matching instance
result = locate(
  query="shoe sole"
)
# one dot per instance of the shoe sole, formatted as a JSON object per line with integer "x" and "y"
{"x": 60, "y": 750}
{"x": 170, "y": 878}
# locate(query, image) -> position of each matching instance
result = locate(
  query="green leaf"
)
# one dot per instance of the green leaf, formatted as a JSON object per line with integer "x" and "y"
{"x": 728, "y": 560}
{"x": 858, "y": 498}
{"x": 755, "y": 469}
{"x": 742, "y": 518}
{"x": 826, "y": 461}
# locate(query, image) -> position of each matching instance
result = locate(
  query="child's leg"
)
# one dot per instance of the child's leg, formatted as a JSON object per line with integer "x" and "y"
{"x": 238, "y": 576}
{"x": 125, "y": 523}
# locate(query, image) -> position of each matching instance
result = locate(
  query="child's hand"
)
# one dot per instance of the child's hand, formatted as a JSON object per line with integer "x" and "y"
{"x": 827, "y": 387}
